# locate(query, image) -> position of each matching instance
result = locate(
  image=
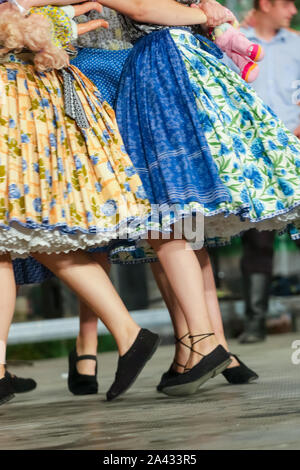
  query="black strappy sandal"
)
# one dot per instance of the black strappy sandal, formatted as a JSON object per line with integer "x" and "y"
{"x": 171, "y": 372}
{"x": 240, "y": 374}
{"x": 81, "y": 384}
{"x": 210, "y": 365}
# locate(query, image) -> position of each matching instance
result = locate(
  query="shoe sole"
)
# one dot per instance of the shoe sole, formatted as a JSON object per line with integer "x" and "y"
{"x": 155, "y": 346}
{"x": 6, "y": 399}
{"x": 192, "y": 387}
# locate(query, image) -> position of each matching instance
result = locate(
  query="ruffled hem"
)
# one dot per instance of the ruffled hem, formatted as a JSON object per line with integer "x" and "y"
{"x": 20, "y": 241}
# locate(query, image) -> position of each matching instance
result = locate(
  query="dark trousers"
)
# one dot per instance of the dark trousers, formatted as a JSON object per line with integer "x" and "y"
{"x": 258, "y": 252}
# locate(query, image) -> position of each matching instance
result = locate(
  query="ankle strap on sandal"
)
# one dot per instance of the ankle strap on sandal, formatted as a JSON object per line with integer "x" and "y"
{"x": 201, "y": 338}
{"x": 179, "y": 340}
{"x": 86, "y": 356}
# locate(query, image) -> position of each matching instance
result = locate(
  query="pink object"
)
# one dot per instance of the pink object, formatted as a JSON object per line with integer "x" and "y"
{"x": 235, "y": 41}
{"x": 249, "y": 70}
{"x": 243, "y": 52}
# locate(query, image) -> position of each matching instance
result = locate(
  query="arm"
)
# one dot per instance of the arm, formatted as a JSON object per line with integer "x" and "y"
{"x": 164, "y": 12}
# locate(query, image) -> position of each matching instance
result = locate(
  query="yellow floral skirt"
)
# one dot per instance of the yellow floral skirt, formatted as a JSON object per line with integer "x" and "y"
{"x": 61, "y": 187}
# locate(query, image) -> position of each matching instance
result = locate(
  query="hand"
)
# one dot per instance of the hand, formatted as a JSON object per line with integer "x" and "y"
{"x": 216, "y": 13}
{"x": 297, "y": 132}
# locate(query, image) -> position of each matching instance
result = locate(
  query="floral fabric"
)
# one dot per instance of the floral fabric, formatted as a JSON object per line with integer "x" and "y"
{"x": 61, "y": 188}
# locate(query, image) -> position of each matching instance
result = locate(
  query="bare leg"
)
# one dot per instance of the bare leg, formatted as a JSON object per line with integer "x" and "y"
{"x": 7, "y": 305}
{"x": 85, "y": 7}
{"x": 83, "y": 28}
{"x": 212, "y": 301}
{"x": 87, "y": 340}
{"x": 180, "y": 326}
{"x": 92, "y": 285}
{"x": 185, "y": 277}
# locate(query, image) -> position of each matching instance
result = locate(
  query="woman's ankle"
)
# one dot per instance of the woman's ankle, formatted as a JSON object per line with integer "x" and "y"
{"x": 2, "y": 371}
{"x": 86, "y": 345}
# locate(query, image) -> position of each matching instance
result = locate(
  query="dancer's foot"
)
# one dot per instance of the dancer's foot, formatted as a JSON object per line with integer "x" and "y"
{"x": 132, "y": 363}
{"x": 82, "y": 383}
{"x": 20, "y": 384}
{"x": 240, "y": 374}
{"x": 6, "y": 390}
{"x": 208, "y": 367}
{"x": 182, "y": 354}
{"x": 85, "y": 347}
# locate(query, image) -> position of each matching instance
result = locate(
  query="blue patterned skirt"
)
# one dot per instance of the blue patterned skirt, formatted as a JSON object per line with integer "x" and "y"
{"x": 103, "y": 68}
{"x": 199, "y": 136}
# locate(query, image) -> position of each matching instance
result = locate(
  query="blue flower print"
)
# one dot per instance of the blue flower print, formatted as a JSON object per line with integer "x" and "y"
{"x": 45, "y": 103}
{"x": 62, "y": 136}
{"x": 246, "y": 96}
{"x": 205, "y": 122}
{"x": 267, "y": 160}
{"x": 47, "y": 151}
{"x": 226, "y": 178}
{"x": 63, "y": 213}
{"x": 14, "y": 192}
{"x": 52, "y": 203}
{"x": 248, "y": 134}
{"x": 270, "y": 174}
{"x": 224, "y": 149}
{"x": 48, "y": 178}
{"x": 297, "y": 163}
{"x": 272, "y": 146}
{"x": 36, "y": 167}
{"x": 283, "y": 171}
{"x": 293, "y": 149}
{"x": 244, "y": 196}
{"x": 89, "y": 216}
{"x": 105, "y": 136}
{"x": 98, "y": 187}
{"x": 94, "y": 159}
{"x": 285, "y": 187}
{"x": 130, "y": 171}
{"x": 26, "y": 85}
{"x": 25, "y": 139}
{"x": 69, "y": 188}
{"x": 257, "y": 148}
{"x": 12, "y": 74}
{"x": 110, "y": 168}
{"x": 279, "y": 205}
{"x": 78, "y": 163}
{"x": 258, "y": 206}
{"x": 127, "y": 186}
{"x": 109, "y": 208}
{"x": 24, "y": 165}
{"x": 37, "y": 204}
{"x": 282, "y": 137}
{"x": 60, "y": 167}
{"x": 52, "y": 140}
{"x": 271, "y": 191}
{"x": 12, "y": 124}
{"x": 26, "y": 189}
{"x": 141, "y": 193}
{"x": 238, "y": 145}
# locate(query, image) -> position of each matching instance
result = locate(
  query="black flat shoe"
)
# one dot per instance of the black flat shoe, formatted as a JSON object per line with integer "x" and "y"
{"x": 210, "y": 365}
{"x": 171, "y": 373}
{"x": 19, "y": 384}
{"x": 132, "y": 363}
{"x": 240, "y": 374}
{"x": 6, "y": 390}
{"x": 81, "y": 384}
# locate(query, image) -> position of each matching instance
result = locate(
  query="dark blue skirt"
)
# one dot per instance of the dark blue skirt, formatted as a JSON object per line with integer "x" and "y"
{"x": 159, "y": 123}
{"x": 103, "y": 68}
